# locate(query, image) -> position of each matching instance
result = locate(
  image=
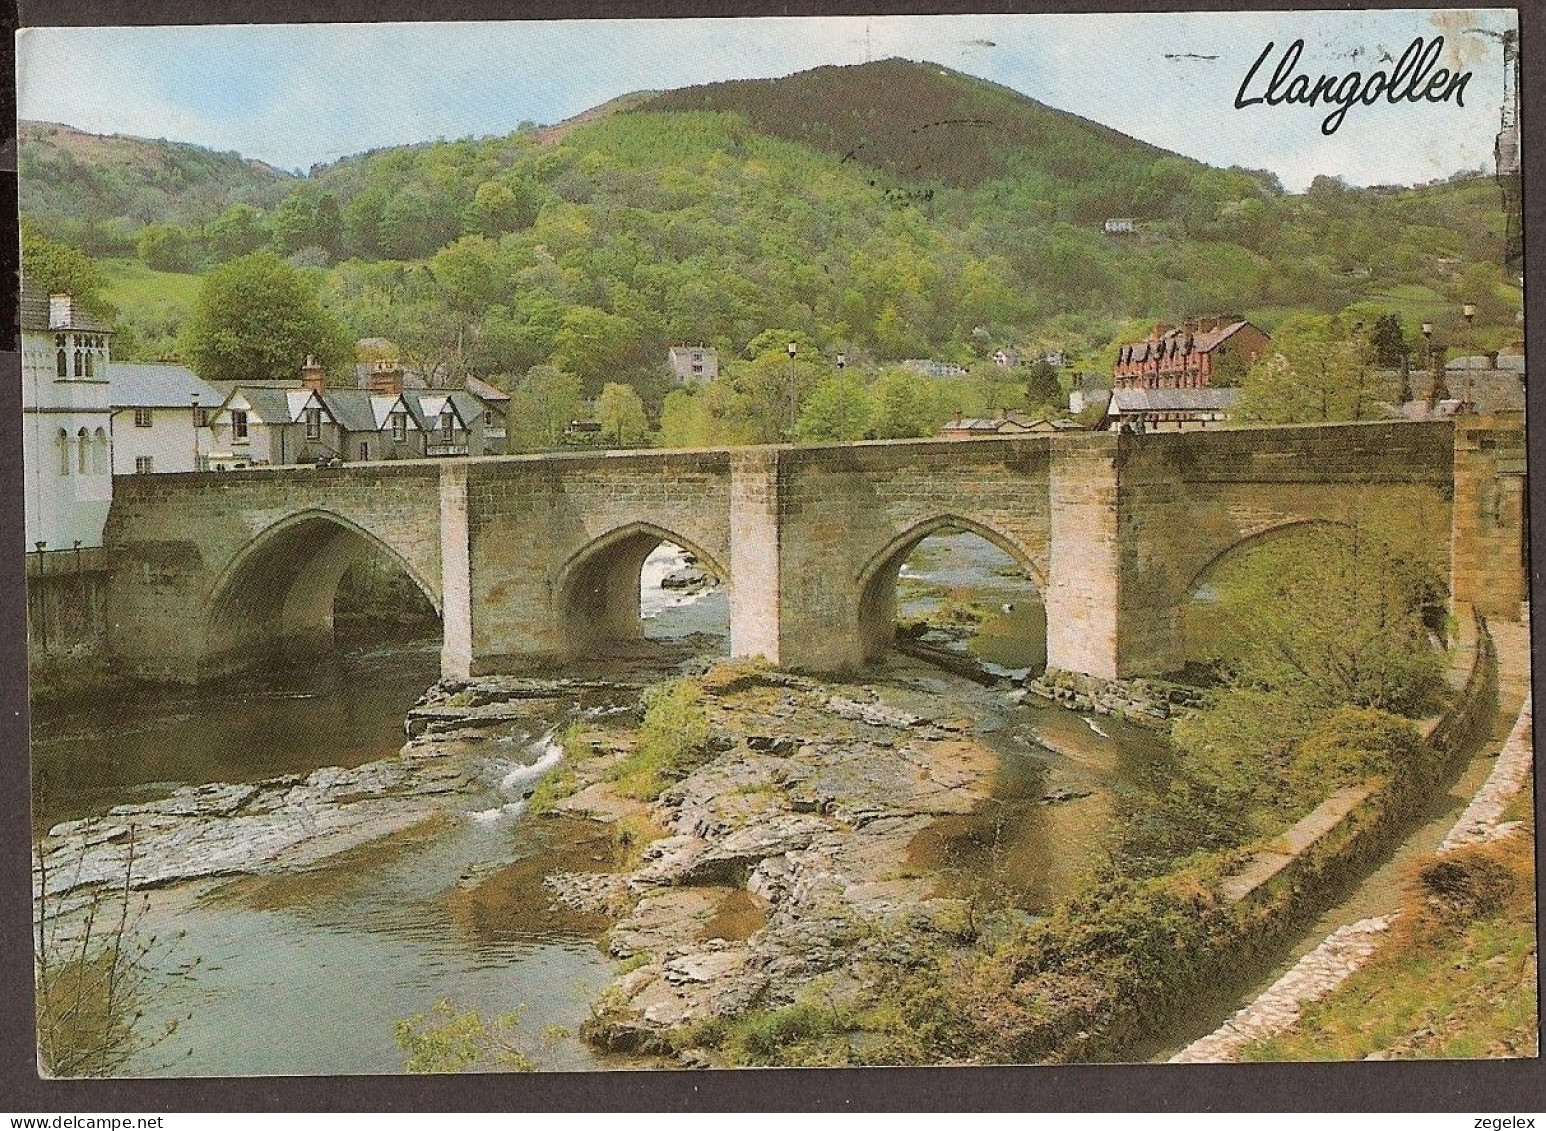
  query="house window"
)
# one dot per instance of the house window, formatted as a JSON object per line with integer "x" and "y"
{"x": 200, "y": 417}
{"x": 62, "y": 364}
{"x": 80, "y": 364}
{"x": 364, "y": 450}
{"x": 83, "y": 458}
{"x": 89, "y": 356}
{"x": 313, "y": 424}
{"x": 399, "y": 426}
{"x": 447, "y": 426}
{"x": 488, "y": 418}
{"x": 238, "y": 425}
{"x": 144, "y": 465}
{"x": 142, "y": 418}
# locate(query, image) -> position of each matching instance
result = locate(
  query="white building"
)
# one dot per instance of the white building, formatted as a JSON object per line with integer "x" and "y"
{"x": 693, "y": 365}
{"x": 158, "y": 416}
{"x": 66, "y": 422}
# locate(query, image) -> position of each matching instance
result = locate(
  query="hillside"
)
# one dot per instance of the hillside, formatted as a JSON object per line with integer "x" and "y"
{"x": 89, "y": 187}
{"x": 833, "y": 204}
{"x": 920, "y": 122}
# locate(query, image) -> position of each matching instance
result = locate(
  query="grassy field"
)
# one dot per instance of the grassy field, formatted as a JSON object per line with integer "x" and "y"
{"x": 133, "y": 285}
{"x": 1455, "y": 980}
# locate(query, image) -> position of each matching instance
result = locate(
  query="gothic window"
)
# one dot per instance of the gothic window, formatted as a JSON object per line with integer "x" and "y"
{"x": 101, "y": 454}
{"x": 64, "y": 452}
{"x": 83, "y": 458}
{"x": 80, "y": 365}
{"x": 62, "y": 364}
{"x": 89, "y": 366}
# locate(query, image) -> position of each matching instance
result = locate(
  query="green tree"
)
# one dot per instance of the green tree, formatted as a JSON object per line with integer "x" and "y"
{"x": 621, "y": 414}
{"x": 839, "y": 408}
{"x": 903, "y": 405}
{"x": 446, "y": 1040}
{"x": 1323, "y": 618}
{"x": 167, "y": 247}
{"x": 1319, "y": 369}
{"x": 257, "y": 317}
{"x": 541, "y": 408}
{"x": 596, "y": 346}
{"x": 55, "y": 268}
{"x": 237, "y": 231}
{"x": 1042, "y": 388}
{"x": 1388, "y": 342}
{"x": 503, "y": 206}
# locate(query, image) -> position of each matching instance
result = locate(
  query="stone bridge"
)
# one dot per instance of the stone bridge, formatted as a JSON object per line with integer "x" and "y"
{"x": 533, "y": 560}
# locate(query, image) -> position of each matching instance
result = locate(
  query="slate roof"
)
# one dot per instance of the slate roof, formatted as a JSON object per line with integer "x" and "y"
{"x": 1179, "y": 341}
{"x": 271, "y": 406}
{"x": 484, "y": 391}
{"x": 1172, "y": 400}
{"x": 133, "y": 384}
{"x": 34, "y": 307}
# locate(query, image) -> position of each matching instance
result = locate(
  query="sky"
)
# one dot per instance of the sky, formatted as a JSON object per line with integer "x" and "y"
{"x": 300, "y": 94}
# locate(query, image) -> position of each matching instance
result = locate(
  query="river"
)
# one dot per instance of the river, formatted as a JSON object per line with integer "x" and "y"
{"x": 307, "y": 972}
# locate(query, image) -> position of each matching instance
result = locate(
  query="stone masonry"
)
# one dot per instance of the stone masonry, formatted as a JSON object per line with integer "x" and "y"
{"x": 535, "y": 559}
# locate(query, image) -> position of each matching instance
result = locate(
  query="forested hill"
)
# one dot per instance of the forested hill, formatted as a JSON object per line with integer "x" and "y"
{"x": 825, "y": 204}
{"x": 73, "y": 181}
{"x": 922, "y": 123}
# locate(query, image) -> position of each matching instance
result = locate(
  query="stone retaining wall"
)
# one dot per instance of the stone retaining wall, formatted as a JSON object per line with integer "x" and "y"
{"x": 1349, "y": 948}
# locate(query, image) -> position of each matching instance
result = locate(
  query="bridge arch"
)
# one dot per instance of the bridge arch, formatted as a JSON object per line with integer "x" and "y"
{"x": 877, "y": 578}
{"x": 596, "y": 590}
{"x": 1250, "y": 539}
{"x": 274, "y": 599}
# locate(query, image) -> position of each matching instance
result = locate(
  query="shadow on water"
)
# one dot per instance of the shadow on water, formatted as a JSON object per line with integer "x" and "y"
{"x": 343, "y": 711}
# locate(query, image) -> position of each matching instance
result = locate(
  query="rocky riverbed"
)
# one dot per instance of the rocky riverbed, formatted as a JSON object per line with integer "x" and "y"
{"x": 824, "y": 825}
{"x": 804, "y": 846}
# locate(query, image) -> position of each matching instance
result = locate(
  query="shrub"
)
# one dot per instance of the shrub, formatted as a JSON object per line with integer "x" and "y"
{"x": 447, "y": 1041}
{"x": 672, "y": 739}
{"x": 1349, "y": 746}
{"x": 92, "y": 971}
{"x": 1466, "y": 886}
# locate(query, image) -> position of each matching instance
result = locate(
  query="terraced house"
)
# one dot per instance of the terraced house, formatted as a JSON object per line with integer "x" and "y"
{"x": 258, "y": 426}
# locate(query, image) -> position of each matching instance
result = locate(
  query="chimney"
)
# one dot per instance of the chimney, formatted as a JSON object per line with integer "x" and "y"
{"x": 313, "y": 376}
{"x": 386, "y": 377}
{"x": 61, "y": 311}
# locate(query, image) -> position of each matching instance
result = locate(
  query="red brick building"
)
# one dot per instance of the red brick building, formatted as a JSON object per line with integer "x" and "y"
{"x": 1186, "y": 357}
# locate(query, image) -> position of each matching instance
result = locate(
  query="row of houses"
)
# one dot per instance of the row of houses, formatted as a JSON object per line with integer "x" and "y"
{"x": 87, "y": 418}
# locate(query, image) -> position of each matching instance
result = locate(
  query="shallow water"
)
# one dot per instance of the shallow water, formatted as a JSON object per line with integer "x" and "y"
{"x": 308, "y": 972}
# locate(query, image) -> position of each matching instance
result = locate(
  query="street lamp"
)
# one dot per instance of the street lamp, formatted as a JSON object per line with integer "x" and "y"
{"x": 42, "y": 599}
{"x": 195, "y": 431}
{"x": 842, "y": 394}
{"x": 1468, "y": 312}
{"x": 793, "y": 349}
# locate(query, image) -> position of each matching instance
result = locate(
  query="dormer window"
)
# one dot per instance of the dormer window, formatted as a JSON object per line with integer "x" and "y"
{"x": 313, "y": 424}
{"x": 238, "y": 424}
